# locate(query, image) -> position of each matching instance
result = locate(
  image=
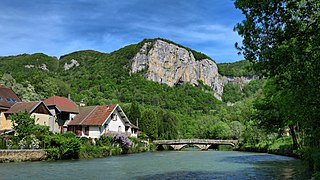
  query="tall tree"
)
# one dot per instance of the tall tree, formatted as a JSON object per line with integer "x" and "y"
{"x": 282, "y": 37}
{"x": 134, "y": 113}
{"x": 149, "y": 123}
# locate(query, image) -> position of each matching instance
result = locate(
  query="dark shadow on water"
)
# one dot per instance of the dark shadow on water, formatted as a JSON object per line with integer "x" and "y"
{"x": 249, "y": 173}
{"x": 265, "y": 166}
{"x": 256, "y": 159}
{"x": 281, "y": 167}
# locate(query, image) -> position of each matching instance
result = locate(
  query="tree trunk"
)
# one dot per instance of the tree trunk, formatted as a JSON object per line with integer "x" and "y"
{"x": 294, "y": 137}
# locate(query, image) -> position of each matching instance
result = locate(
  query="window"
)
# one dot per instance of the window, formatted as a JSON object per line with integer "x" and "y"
{"x": 113, "y": 117}
{"x": 1, "y": 99}
{"x": 79, "y": 130}
{"x": 10, "y": 100}
{"x": 86, "y": 131}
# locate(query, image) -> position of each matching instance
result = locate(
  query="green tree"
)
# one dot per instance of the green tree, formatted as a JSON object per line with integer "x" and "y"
{"x": 282, "y": 36}
{"x": 23, "y": 123}
{"x": 167, "y": 128}
{"x": 24, "y": 90}
{"x": 134, "y": 113}
{"x": 236, "y": 129}
{"x": 232, "y": 93}
{"x": 149, "y": 123}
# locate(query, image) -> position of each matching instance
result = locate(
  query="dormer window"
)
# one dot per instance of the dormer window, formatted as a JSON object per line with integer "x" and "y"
{"x": 114, "y": 117}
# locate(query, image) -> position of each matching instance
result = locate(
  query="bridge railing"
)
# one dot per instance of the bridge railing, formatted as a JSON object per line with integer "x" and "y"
{"x": 196, "y": 141}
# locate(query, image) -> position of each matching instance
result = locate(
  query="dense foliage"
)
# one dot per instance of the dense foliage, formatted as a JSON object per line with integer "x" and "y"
{"x": 282, "y": 37}
{"x": 236, "y": 69}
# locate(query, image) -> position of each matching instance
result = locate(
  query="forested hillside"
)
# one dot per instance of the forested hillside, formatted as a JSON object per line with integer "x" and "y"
{"x": 239, "y": 68}
{"x": 162, "y": 112}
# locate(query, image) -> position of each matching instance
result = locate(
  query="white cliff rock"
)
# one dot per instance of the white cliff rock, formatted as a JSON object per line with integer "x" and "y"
{"x": 170, "y": 64}
{"x": 71, "y": 65}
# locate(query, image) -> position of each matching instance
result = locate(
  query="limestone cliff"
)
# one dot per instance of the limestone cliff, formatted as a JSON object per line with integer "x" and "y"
{"x": 170, "y": 64}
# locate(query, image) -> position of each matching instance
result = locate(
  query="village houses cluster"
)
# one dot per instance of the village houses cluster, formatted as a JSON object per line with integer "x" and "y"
{"x": 62, "y": 114}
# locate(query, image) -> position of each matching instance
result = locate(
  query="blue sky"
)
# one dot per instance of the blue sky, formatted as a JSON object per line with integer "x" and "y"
{"x": 58, "y": 27}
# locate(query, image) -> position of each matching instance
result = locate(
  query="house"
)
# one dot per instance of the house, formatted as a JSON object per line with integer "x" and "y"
{"x": 37, "y": 109}
{"x": 95, "y": 121}
{"x": 7, "y": 99}
{"x": 63, "y": 110}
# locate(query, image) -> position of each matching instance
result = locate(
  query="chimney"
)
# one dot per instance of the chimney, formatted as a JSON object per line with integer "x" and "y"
{"x": 82, "y": 104}
{"x": 69, "y": 96}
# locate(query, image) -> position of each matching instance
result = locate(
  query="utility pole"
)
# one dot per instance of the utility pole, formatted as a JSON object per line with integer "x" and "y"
{"x": 137, "y": 123}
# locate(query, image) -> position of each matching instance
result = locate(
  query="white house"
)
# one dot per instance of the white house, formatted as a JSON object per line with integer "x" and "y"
{"x": 95, "y": 121}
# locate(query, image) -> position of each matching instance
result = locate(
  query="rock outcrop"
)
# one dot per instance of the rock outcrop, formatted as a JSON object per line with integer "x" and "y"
{"x": 42, "y": 66}
{"x": 170, "y": 64}
{"x": 71, "y": 65}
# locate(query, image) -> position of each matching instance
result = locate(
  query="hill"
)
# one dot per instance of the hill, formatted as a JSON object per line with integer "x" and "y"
{"x": 183, "y": 106}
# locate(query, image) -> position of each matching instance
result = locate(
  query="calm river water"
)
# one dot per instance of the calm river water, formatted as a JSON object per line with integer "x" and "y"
{"x": 164, "y": 165}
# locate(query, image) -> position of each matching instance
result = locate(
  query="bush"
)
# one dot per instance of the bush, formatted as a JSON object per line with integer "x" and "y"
{"x": 123, "y": 141}
{"x": 104, "y": 141}
{"x": 63, "y": 146}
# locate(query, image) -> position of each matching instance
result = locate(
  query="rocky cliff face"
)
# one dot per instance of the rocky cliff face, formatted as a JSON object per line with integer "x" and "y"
{"x": 170, "y": 64}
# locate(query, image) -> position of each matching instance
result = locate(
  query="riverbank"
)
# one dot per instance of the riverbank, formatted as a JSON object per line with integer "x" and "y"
{"x": 282, "y": 152}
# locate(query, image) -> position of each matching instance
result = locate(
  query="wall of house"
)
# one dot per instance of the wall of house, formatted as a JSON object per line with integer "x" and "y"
{"x": 132, "y": 132}
{"x": 41, "y": 119}
{"x": 4, "y": 123}
{"x": 116, "y": 124}
{"x": 94, "y": 131}
{"x": 53, "y": 125}
{"x": 71, "y": 116}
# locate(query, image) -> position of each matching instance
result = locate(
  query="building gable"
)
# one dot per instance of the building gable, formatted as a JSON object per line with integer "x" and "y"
{"x": 30, "y": 107}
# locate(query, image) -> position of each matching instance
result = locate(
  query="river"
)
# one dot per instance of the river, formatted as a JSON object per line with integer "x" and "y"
{"x": 164, "y": 165}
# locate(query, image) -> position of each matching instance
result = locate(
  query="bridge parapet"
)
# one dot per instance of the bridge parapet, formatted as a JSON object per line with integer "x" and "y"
{"x": 196, "y": 142}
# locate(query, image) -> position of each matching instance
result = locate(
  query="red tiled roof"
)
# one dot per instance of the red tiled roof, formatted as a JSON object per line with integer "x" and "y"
{"x": 84, "y": 112}
{"x": 64, "y": 104}
{"x": 93, "y": 115}
{"x": 30, "y": 107}
{"x": 7, "y": 97}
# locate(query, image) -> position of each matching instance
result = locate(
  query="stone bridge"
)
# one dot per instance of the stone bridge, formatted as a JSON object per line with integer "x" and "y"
{"x": 203, "y": 144}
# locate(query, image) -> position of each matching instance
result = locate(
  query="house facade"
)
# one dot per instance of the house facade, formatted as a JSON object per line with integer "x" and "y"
{"x": 7, "y": 99}
{"x": 63, "y": 110}
{"x": 36, "y": 109}
{"x": 95, "y": 121}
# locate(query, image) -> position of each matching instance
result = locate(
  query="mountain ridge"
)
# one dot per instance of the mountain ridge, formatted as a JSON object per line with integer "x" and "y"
{"x": 177, "y": 64}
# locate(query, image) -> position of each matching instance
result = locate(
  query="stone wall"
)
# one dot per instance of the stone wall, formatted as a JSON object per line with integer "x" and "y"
{"x": 22, "y": 155}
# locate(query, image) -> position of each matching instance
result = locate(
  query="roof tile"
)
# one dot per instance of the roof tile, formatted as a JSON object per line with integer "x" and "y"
{"x": 93, "y": 115}
{"x": 64, "y": 104}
